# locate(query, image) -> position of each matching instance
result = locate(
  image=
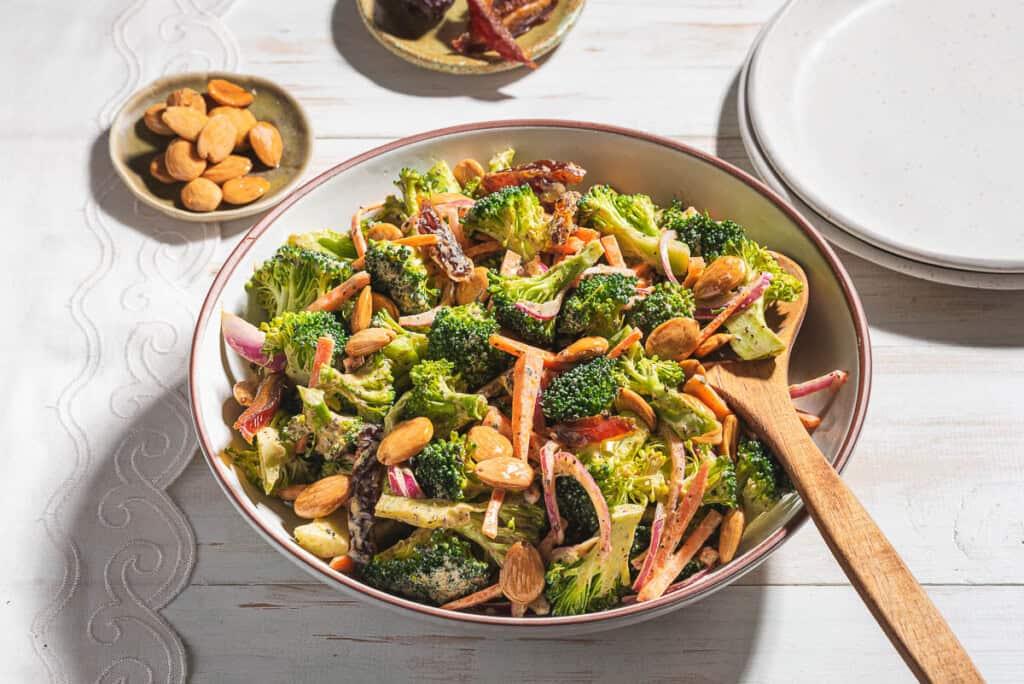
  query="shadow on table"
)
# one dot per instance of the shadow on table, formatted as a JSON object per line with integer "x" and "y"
{"x": 127, "y": 547}
{"x": 113, "y": 197}
{"x": 903, "y": 305}
{"x": 357, "y": 47}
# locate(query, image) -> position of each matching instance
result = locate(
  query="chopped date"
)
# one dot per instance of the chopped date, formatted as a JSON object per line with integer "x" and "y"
{"x": 563, "y": 218}
{"x": 539, "y": 175}
{"x": 486, "y": 28}
{"x": 447, "y": 253}
{"x": 518, "y": 16}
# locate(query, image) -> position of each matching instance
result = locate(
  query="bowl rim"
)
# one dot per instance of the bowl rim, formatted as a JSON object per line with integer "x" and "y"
{"x": 264, "y": 203}
{"x": 687, "y": 594}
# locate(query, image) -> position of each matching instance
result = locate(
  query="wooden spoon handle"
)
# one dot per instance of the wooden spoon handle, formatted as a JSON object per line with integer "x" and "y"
{"x": 899, "y": 604}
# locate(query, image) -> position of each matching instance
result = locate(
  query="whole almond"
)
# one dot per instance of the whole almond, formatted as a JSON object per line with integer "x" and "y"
{"x": 383, "y": 231}
{"x": 628, "y": 400}
{"x": 217, "y": 139}
{"x": 365, "y": 342}
{"x": 730, "y": 436}
{"x": 488, "y": 443}
{"x": 154, "y": 122}
{"x": 266, "y": 143}
{"x": 227, "y": 93}
{"x": 723, "y": 275}
{"x": 291, "y": 492}
{"x": 713, "y": 343}
{"x": 244, "y": 392}
{"x": 323, "y": 497}
{"x": 243, "y": 120}
{"x": 245, "y": 189}
{"x": 405, "y": 441}
{"x": 466, "y": 170}
{"x": 158, "y": 169}
{"x": 673, "y": 340}
{"x": 382, "y": 302}
{"x": 183, "y": 161}
{"x": 233, "y": 166}
{"x": 505, "y": 472}
{"x": 363, "y": 312}
{"x": 184, "y": 121}
{"x": 186, "y": 97}
{"x": 200, "y": 194}
{"x": 583, "y": 349}
{"x": 522, "y": 575}
{"x": 729, "y": 535}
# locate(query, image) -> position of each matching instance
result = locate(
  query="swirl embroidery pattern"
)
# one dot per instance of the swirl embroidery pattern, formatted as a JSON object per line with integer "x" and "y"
{"x": 127, "y": 549}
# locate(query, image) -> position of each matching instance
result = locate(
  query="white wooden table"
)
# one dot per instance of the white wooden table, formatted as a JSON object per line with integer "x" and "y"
{"x": 939, "y": 463}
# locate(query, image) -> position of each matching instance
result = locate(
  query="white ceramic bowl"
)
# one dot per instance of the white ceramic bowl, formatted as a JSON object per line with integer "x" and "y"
{"x": 835, "y": 333}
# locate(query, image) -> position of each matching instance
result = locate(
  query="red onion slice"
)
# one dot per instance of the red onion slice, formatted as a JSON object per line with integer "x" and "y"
{"x": 547, "y": 478}
{"x": 396, "y": 481}
{"x": 656, "y": 529}
{"x": 831, "y": 380}
{"x": 755, "y": 292}
{"x": 420, "y": 320}
{"x": 411, "y": 485}
{"x": 666, "y": 263}
{"x": 567, "y": 464}
{"x": 247, "y": 341}
{"x": 546, "y": 311}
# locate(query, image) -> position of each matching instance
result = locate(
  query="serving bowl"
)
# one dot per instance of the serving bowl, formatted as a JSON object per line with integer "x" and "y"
{"x": 132, "y": 145}
{"x": 835, "y": 333}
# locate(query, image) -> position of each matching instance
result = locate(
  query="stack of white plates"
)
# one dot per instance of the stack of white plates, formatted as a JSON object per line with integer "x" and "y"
{"x": 897, "y": 128}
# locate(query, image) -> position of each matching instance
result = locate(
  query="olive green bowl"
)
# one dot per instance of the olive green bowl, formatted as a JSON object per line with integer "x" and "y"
{"x": 432, "y": 50}
{"x": 133, "y": 146}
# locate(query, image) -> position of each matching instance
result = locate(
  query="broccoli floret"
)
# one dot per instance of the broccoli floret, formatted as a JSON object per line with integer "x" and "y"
{"x": 369, "y": 390}
{"x": 294, "y": 277}
{"x": 398, "y": 271}
{"x": 585, "y": 390}
{"x": 330, "y": 242}
{"x": 435, "y": 395}
{"x": 721, "y": 486}
{"x": 270, "y": 463}
{"x": 705, "y": 236}
{"x": 639, "y": 211}
{"x": 641, "y": 541}
{"x": 435, "y": 566}
{"x": 459, "y": 334}
{"x": 596, "y": 581}
{"x": 517, "y": 520}
{"x": 501, "y": 160}
{"x": 444, "y": 469}
{"x": 646, "y": 375}
{"x": 784, "y": 287}
{"x": 595, "y": 306}
{"x": 405, "y": 351}
{"x": 602, "y": 208}
{"x": 296, "y": 333}
{"x": 762, "y": 482}
{"x": 506, "y": 291}
{"x": 628, "y": 469}
{"x": 334, "y": 435}
{"x": 514, "y": 217}
{"x": 575, "y": 506}
{"x": 416, "y": 186}
{"x": 686, "y": 415}
{"x": 665, "y": 301}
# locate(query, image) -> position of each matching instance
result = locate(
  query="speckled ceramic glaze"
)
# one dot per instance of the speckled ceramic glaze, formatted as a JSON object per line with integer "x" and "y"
{"x": 432, "y": 50}
{"x": 900, "y": 122}
{"x": 132, "y": 145}
{"x": 835, "y": 333}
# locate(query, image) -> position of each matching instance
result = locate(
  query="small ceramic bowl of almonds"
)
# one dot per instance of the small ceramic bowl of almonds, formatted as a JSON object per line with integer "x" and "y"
{"x": 211, "y": 146}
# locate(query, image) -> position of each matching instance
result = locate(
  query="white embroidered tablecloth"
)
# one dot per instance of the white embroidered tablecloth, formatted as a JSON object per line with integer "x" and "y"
{"x": 112, "y": 574}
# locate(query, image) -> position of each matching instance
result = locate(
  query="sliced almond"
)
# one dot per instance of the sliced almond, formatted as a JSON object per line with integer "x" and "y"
{"x": 228, "y": 93}
{"x": 323, "y": 497}
{"x": 384, "y": 231}
{"x": 200, "y": 194}
{"x": 291, "y": 492}
{"x": 673, "y": 340}
{"x": 583, "y": 349}
{"x": 366, "y": 342}
{"x": 266, "y": 143}
{"x": 154, "y": 121}
{"x": 466, "y": 170}
{"x": 363, "y": 312}
{"x": 488, "y": 443}
{"x": 522, "y": 575}
{"x": 233, "y": 166}
{"x": 245, "y": 189}
{"x": 505, "y": 472}
{"x": 158, "y": 169}
{"x": 186, "y": 122}
{"x": 405, "y": 441}
{"x": 244, "y": 392}
{"x": 472, "y": 289}
{"x": 243, "y": 120}
{"x": 729, "y": 534}
{"x": 217, "y": 139}
{"x": 183, "y": 161}
{"x": 186, "y": 97}
{"x": 628, "y": 400}
{"x": 382, "y": 302}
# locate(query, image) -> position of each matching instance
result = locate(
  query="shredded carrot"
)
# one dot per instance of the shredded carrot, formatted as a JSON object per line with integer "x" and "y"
{"x": 586, "y": 234}
{"x": 333, "y": 299}
{"x": 343, "y": 564}
{"x": 480, "y": 249}
{"x": 643, "y": 271}
{"x": 677, "y": 522}
{"x": 612, "y": 252}
{"x": 497, "y": 420}
{"x": 692, "y": 367}
{"x": 322, "y": 357}
{"x": 570, "y": 246}
{"x": 625, "y": 343}
{"x": 510, "y": 263}
{"x": 698, "y": 387}
{"x": 517, "y": 348}
{"x": 490, "y": 524}
{"x": 663, "y": 576}
{"x": 730, "y": 308}
{"x": 525, "y": 389}
{"x": 694, "y": 270}
{"x": 483, "y": 596}
{"x": 417, "y": 241}
{"x": 358, "y": 264}
{"x": 809, "y": 420}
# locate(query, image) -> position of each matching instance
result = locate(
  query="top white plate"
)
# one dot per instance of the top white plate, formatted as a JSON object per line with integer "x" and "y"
{"x": 900, "y": 121}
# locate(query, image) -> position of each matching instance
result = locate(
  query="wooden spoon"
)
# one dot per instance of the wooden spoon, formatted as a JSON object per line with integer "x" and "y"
{"x": 759, "y": 391}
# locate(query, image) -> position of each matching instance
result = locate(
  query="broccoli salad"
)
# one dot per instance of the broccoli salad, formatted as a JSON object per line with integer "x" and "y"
{"x": 489, "y": 393}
